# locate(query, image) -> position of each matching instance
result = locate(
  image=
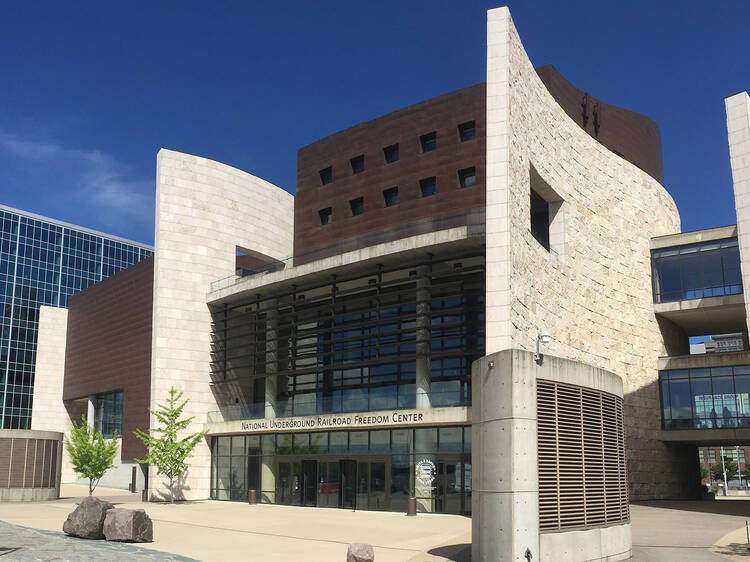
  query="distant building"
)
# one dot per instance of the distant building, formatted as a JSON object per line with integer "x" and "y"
{"x": 43, "y": 262}
{"x": 726, "y": 343}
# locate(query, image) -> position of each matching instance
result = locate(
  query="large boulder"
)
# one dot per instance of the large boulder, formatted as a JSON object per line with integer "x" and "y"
{"x": 360, "y": 552}
{"x": 86, "y": 520}
{"x": 128, "y": 525}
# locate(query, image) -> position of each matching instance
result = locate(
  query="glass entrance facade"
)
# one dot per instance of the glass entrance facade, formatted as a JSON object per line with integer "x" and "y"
{"x": 371, "y": 470}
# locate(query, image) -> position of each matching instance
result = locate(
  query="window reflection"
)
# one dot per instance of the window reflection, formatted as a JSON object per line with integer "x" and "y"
{"x": 695, "y": 271}
{"x": 712, "y": 398}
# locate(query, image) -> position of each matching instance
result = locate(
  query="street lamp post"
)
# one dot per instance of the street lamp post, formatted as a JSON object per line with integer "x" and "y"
{"x": 724, "y": 468}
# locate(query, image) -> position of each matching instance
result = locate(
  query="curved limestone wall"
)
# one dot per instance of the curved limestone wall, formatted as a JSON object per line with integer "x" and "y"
{"x": 30, "y": 464}
{"x": 204, "y": 211}
{"x": 591, "y": 287}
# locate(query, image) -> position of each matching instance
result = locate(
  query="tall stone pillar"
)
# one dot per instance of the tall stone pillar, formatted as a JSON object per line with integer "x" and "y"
{"x": 272, "y": 332}
{"x": 423, "y": 380}
{"x": 738, "y": 131}
{"x": 268, "y": 480}
{"x": 91, "y": 410}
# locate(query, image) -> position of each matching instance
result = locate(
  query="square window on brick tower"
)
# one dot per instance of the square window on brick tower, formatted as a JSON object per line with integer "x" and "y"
{"x": 467, "y": 131}
{"x": 358, "y": 164}
{"x": 547, "y": 217}
{"x": 428, "y": 186}
{"x": 357, "y": 205}
{"x": 391, "y": 196}
{"x": 428, "y": 142}
{"x": 326, "y": 215}
{"x": 391, "y": 153}
{"x": 467, "y": 177}
{"x": 326, "y": 175}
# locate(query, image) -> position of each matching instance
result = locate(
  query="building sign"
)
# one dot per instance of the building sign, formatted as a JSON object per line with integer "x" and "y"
{"x": 363, "y": 420}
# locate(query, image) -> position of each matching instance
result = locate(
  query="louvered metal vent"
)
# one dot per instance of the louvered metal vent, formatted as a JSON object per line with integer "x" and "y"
{"x": 582, "y": 475}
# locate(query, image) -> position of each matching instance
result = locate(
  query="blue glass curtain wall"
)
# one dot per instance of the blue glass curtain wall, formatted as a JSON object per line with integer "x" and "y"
{"x": 353, "y": 344}
{"x": 310, "y": 469}
{"x": 43, "y": 263}
{"x": 694, "y": 271}
{"x": 710, "y": 398}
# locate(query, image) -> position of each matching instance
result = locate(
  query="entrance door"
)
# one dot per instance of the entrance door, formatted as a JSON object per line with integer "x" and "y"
{"x": 348, "y": 485}
{"x": 449, "y": 486}
{"x": 310, "y": 483}
{"x": 371, "y": 486}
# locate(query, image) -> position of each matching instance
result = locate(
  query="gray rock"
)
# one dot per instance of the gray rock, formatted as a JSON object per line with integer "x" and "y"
{"x": 128, "y": 525}
{"x": 87, "y": 519}
{"x": 360, "y": 552}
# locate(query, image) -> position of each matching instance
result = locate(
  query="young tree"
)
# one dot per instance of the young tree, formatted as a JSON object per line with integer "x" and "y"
{"x": 165, "y": 450}
{"x": 704, "y": 472}
{"x": 91, "y": 454}
{"x": 717, "y": 471}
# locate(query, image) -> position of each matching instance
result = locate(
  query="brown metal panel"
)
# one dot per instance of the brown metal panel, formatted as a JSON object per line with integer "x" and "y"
{"x": 113, "y": 317}
{"x": 17, "y": 464}
{"x": 5, "y": 459}
{"x": 442, "y": 114}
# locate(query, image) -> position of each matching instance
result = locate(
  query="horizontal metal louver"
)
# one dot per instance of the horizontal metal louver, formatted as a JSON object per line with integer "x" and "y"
{"x": 581, "y": 447}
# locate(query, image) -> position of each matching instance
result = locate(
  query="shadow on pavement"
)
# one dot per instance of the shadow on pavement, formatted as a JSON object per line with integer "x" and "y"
{"x": 740, "y": 508}
{"x": 454, "y": 552}
{"x": 732, "y": 549}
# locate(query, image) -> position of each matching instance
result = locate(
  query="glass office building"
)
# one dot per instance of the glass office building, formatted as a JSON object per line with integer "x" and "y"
{"x": 44, "y": 262}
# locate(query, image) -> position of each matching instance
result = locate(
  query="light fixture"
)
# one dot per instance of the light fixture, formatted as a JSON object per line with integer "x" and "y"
{"x": 541, "y": 337}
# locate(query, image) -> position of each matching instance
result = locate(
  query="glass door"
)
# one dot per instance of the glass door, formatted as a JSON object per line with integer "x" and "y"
{"x": 348, "y": 484}
{"x": 288, "y": 483}
{"x": 329, "y": 481}
{"x": 310, "y": 483}
{"x": 449, "y": 486}
{"x": 372, "y": 485}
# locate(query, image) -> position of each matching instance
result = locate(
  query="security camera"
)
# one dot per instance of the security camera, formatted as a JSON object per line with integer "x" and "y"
{"x": 541, "y": 337}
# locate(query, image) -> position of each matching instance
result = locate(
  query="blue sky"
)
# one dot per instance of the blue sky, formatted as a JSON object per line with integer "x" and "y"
{"x": 91, "y": 91}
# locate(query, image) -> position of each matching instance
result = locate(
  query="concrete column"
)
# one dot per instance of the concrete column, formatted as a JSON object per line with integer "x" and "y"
{"x": 423, "y": 380}
{"x": 91, "y": 411}
{"x": 738, "y": 131}
{"x": 268, "y": 480}
{"x": 272, "y": 326}
{"x": 505, "y": 483}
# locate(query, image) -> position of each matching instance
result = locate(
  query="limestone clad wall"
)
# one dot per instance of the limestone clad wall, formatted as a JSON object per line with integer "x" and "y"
{"x": 738, "y": 130}
{"x": 204, "y": 209}
{"x": 592, "y": 292}
{"x": 48, "y": 412}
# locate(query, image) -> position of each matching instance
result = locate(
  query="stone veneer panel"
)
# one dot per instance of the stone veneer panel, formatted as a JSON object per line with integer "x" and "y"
{"x": 204, "y": 210}
{"x": 595, "y": 299}
{"x": 48, "y": 411}
{"x": 738, "y": 130}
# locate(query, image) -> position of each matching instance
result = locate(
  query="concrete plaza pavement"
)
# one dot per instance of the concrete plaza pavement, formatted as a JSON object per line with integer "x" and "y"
{"x": 663, "y": 531}
{"x": 688, "y": 531}
{"x": 213, "y": 530}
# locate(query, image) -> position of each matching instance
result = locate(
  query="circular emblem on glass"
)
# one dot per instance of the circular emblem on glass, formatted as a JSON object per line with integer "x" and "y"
{"x": 425, "y": 472}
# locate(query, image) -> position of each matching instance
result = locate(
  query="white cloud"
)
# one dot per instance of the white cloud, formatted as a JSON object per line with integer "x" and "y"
{"x": 90, "y": 176}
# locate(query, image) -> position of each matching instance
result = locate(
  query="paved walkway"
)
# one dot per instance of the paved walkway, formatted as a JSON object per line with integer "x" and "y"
{"x": 208, "y": 530}
{"x": 27, "y": 545}
{"x": 212, "y": 530}
{"x": 685, "y": 531}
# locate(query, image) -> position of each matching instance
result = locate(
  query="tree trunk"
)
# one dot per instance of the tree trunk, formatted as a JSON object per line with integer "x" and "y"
{"x": 91, "y": 486}
{"x": 171, "y": 491}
